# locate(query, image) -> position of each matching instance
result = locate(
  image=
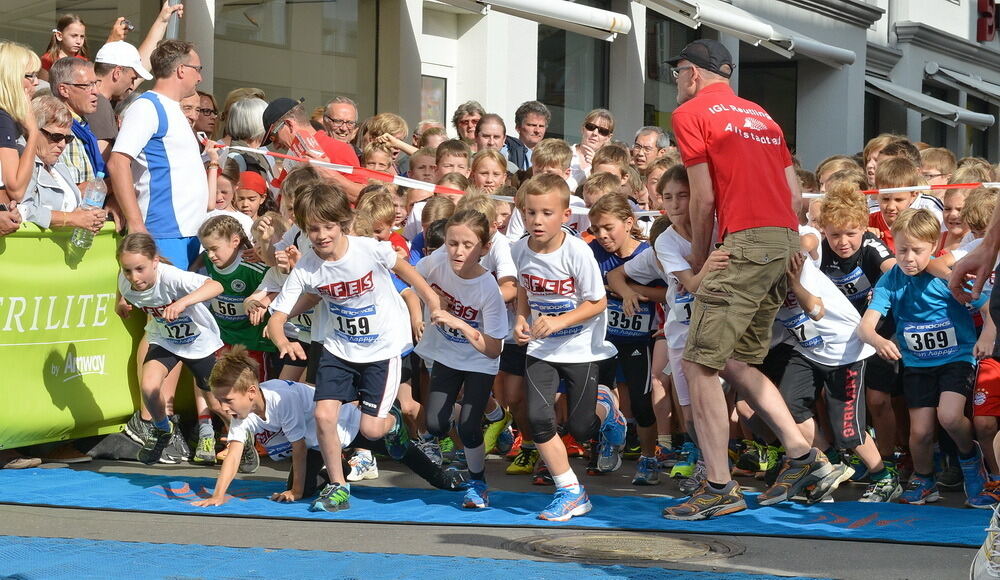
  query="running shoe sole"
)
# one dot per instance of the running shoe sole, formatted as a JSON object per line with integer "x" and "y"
{"x": 577, "y": 511}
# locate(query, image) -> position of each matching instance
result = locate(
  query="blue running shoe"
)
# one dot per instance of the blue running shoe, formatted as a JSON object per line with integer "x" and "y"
{"x": 974, "y": 472}
{"x": 397, "y": 439}
{"x": 860, "y": 469}
{"x": 476, "y": 495}
{"x": 647, "y": 471}
{"x": 920, "y": 490}
{"x": 334, "y": 497}
{"x": 505, "y": 441}
{"x": 988, "y": 498}
{"x": 613, "y": 433}
{"x": 684, "y": 468}
{"x": 565, "y": 505}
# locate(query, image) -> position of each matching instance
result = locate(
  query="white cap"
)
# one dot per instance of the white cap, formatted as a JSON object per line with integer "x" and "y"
{"x": 121, "y": 53}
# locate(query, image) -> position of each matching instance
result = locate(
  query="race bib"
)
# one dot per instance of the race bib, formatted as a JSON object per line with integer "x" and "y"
{"x": 681, "y": 307}
{"x": 183, "y": 330}
{"x": 621, "y": 325}
{"x": 229, "y": 308}
{"x": 930, "y": 340}
{"x": 303, "y": 322}
{"x": 854, "y": 285}
{"x": 454, "y": 335}
{"x": 353, "y": 324}
{"x": 556, "y": 308}
{"x": 803, "y": 330}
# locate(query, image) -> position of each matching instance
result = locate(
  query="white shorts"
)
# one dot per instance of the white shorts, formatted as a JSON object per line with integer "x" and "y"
{"x": 675, "y": 355}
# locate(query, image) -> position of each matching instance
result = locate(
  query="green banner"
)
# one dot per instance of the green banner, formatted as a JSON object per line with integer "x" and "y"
{"x": 66, "y": 359}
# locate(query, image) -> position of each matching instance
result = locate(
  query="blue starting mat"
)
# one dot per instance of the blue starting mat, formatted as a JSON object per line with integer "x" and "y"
{"x": 894, "y": 523}
{"x": 56, "y": 558}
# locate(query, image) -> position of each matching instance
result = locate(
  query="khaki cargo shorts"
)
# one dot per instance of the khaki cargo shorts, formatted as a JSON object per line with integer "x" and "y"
{"x": 734, "y": 308}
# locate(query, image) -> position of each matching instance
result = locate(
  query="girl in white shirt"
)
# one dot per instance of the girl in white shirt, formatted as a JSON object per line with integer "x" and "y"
{"x": 465, "y": 343}
{"x": 180, "y": 329}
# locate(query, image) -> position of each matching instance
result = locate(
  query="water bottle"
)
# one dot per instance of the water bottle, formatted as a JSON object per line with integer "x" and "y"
{"x": 93, "y": 194}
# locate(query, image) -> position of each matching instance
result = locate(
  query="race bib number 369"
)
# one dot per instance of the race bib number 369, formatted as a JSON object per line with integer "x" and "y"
{"x": 930, "y": 340}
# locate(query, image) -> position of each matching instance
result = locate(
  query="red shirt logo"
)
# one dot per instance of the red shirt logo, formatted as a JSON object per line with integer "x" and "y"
{"x": 455, "y": 305}
{"x": 344, "y": 290}
{"x": 539, "y": 285}
{"x": 154, "y": 311}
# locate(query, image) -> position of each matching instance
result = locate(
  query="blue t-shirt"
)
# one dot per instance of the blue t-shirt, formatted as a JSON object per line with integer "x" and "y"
{"x": 932, "y": 328}
{"x": 621, "y": 328}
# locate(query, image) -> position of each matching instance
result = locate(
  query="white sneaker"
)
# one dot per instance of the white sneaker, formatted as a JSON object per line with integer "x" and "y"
{"x": 363, "y": 466}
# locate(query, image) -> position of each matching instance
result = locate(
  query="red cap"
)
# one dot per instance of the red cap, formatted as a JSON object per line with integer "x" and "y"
{"x": 254, "y": 182}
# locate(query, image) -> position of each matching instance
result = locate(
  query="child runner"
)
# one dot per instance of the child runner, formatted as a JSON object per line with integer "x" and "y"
{"x": 466, "y": 341}
{"x": 180, "y": 329}
{"x": 365, "y": 327}
{"x": 560, "y": 292}
{"x": 617, "y": 240}
{"x": 936, "y": 337}
{"x": 280, "y": 415}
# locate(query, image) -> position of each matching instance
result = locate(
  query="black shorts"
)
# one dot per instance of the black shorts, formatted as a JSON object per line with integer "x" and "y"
{"x": 922, "y": 386}
{"x": 373, "y": 384}
{"x": 201, "y": 368}
{"x": 512, "y": 359}
{"x": 287, "y": 362}
{"x": 406, "y": 366}
{"x": 313, "y": 354}
{"x": 884, "y": 376}
{"x": 775, "y": 362}
{"x": 844, "y": 387}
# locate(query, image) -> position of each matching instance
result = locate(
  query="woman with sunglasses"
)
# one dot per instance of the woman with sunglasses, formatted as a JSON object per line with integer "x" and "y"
{"x": 596, "y": 131}
{"x": 19, "y": 134}
{"x": 51, "y": 199}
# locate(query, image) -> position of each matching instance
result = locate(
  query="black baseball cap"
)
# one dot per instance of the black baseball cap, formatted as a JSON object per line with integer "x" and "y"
{"x": 275, "y": 110}
{"x": 708, "y": 54}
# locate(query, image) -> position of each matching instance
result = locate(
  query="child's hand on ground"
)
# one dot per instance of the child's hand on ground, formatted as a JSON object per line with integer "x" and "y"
{"x": 286, "y": 496}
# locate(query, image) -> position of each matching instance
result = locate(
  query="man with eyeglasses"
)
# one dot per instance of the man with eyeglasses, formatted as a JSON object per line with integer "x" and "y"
{"x": 741, "y": 177}
{"x": 74, "y": 83}
{"x": 651, "y": 143}
{"x": 117, "y": 65}
{"x": 340, "y": 120}
{"x": 155, "y": 166}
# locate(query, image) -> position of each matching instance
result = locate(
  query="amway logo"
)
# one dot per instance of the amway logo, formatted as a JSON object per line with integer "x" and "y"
{"x": 78, "y": 366}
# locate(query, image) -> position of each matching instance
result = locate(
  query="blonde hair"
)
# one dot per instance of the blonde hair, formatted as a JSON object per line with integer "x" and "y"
{"x": 613, "y": 154}
{"x": 224, "y": 226}
{"x": 878, "y": 143}
{"x": 616, "y": 206}
{"x": 604, "y": 183}
{"x": 897, "y": 172}
{"x": 605, "y": 114}
{"x": 940, "y": 159}
{"x": 235, "y": 370}
{"x": 843, "y": 206}
{"x": 452, "y": 148}
{"x": 919, "y": 224}
{"x": 383, "y": 123}
{"x": 489, "y": 155}
{"x": 50, "y": 110}
{"x": 437, "y": 208}
{"x": 552, "y": 153}
{"x": 855, "y": 177}
{"x": 16, "y": 60}
{"x": 374, "y": 147}
{"x": 379, "y": 207}
{"x": 363, "y": 226}
{"x": 836, "y": 163}
{"x": 545, "y": 184}
{"x": 478, "y": 202}
{"x": 979, "y": 207}
{"x": 455, "y": 180}
{"x": 475, "y": 221}
{"x": 971, "y": 173}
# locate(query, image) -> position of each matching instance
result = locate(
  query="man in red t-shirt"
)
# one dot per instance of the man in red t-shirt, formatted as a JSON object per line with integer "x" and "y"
{"x": 741, "y": 174}
{"x": 284, "y": 118}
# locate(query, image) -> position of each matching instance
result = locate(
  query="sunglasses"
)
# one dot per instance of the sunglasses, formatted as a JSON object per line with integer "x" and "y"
{"x": 602, "y": 130}
{"x": 57, "y": 137}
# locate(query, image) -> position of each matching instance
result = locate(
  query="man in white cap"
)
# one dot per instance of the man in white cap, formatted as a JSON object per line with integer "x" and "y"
{"x": 117, "y": 65}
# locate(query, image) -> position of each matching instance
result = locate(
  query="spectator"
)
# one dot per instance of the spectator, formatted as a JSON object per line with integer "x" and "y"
{"x": 74, "y": 83}
{"x": 491, "y": 133}
{"x": 69, "y": 39}
{"x": 208, "y": 113}
{"x": 596, "y": 131}
{"x": 531, "y": 120}
{"x": 189, "y": 106}
{"x": 418, "y": 131}
{"x": 246, "y": 129}
{"x": 284, "y": 119}
{"x": 465, "y": 119}
{"x": 651, "y": 143}
{"x": 341, "y": 119}
{"x": 118, "y": 67}
{"x": 18, "y": 79}
{"x": 156, "y": 170}
{"x": 52, "y": 199}
{"x": 221, "y": 131}
{"x": 10, "y": 221}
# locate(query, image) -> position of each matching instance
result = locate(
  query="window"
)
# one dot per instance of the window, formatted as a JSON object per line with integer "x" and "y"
{"x": 773, "y": 85}
{"x": 664, "y": 38}
{"x": 934, "y": 132}
{"x": 573, "y": 76}
{"x": 977, "y": 140}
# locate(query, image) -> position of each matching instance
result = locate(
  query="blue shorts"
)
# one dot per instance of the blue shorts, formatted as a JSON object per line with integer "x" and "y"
{"x": 373, "y": 384}
{"x": 180, "y": 251}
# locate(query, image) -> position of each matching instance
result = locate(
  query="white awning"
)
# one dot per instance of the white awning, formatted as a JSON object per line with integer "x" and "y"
{"x": 934, "y": 108}
{"x": 980, "y": 88}
{"x": 750, "y": 29}
{"x": 586, "y": 20}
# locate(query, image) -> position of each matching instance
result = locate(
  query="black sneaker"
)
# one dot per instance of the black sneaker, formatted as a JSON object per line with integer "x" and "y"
{"x": 334, "y": 497}
{"x": 397, "y": 440}
{"x": 178, "y": 450}
{"x": 153, "y": 446}
{"x": 797, "y": 474}
{"x": 706, "y": 503}
{"x": 137, "y": 429}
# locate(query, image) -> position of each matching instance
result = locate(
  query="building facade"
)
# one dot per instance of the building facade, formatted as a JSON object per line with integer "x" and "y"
{"x": 832, "y": 72}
